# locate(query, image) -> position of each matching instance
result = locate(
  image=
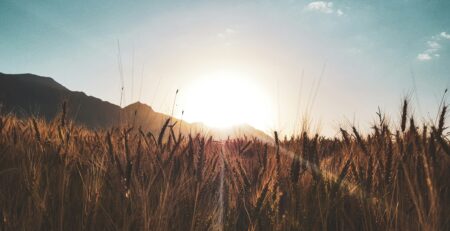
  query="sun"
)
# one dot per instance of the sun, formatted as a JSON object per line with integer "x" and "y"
{"x": 225, "y": 98}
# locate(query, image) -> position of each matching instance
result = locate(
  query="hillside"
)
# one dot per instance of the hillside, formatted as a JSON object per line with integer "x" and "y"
{"x": 31, "y": 95}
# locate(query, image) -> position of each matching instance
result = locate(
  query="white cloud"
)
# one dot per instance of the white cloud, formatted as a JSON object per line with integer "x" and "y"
{"x": 433, "y": 46}
{"x": 228, "y": 36}
{"x": 227, "y": 33}
{"x": 230, "y": 31}
{"x": 423, "y": 57}
{"x": 445, "y": 35}
{"x": 324, "y": 7}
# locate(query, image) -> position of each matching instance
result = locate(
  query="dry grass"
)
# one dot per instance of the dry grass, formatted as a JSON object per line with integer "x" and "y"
{"x": 58, "y": 176}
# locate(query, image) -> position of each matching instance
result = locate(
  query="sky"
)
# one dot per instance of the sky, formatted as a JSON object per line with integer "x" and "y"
{"x": 336, "y": 61}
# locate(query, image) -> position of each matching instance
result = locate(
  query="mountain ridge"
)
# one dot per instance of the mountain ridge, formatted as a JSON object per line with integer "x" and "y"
{"x": 33, "y": 95}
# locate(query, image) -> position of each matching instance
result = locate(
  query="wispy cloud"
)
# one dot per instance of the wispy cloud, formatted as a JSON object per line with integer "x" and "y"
{"x": 228, "y": 32}
{"x": 324, "y": 7}
{"x": 227, "y": 35}
{"x": 433, "y": 46}
{"x": 423, "y": 57}
{"x": 445, "y": 35}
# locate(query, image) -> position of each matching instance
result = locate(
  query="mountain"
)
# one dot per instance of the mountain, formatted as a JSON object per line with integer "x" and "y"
{"x": 27, "y": 94}
{"x": 31, "y": 95}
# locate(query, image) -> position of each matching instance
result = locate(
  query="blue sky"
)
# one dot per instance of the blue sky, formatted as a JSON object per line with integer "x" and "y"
{"x": 370, "y": 52}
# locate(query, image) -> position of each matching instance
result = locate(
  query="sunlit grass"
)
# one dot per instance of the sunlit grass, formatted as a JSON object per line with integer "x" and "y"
{"x": 59, "y": 176}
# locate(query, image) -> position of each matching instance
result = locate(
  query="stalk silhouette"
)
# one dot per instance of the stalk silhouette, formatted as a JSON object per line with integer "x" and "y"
{"x": 60, "y": 176}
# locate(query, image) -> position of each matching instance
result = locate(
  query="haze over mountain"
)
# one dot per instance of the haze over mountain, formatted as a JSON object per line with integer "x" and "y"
{"x": 31, "y": 95}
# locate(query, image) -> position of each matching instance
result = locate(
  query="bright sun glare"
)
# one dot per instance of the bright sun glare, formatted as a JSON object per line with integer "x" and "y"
{"x": 225, "y": 99}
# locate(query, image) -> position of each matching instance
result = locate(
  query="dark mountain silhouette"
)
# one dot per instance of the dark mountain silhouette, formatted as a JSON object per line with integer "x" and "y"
{"x": 31, "y": 95}
{"x": 27, "y": 94}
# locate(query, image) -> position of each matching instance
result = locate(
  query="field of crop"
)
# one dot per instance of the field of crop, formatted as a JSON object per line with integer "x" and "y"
{"x": 59, "y": 176}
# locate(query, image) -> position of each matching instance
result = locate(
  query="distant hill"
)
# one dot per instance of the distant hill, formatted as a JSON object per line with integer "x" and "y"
{"x": 31, "y": 95}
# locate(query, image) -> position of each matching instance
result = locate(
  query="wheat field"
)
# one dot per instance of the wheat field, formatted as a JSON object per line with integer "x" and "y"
{"x": 60, "y": 176}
